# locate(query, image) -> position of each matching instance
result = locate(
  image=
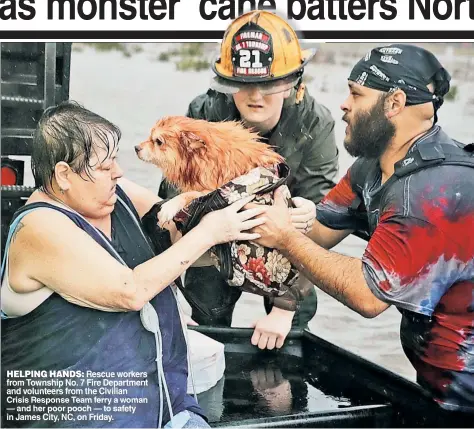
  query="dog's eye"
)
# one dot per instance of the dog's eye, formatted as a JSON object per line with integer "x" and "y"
{"x": 158, "y": 142}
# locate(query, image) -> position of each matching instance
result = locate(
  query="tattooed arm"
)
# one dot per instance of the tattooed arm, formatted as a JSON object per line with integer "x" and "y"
{"x": 17, "y": 230}
{"x": 86, "y": 274}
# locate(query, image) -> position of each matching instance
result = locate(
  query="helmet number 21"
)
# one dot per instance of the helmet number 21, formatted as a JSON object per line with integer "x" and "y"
{"x": 245, "y": 58}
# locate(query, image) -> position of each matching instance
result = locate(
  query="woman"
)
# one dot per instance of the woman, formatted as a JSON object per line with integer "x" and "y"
{"x": 82, "y": 287}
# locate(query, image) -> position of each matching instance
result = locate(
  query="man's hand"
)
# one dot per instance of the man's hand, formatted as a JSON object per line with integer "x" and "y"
{"x": 304, "y": 215}
{"x": 271, "y": 331}
{"x": 277, "y": 222}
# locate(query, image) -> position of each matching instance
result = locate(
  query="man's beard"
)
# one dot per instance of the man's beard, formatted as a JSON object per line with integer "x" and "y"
{"x": 370, "y": 132}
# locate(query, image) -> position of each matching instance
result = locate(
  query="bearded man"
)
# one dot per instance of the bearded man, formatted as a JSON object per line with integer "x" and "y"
{"x": 411, "y": 190}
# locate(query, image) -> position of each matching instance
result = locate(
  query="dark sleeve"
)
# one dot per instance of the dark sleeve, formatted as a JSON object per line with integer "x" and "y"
{"x": 316, "y": 175}
{"x": 197, "y": 107}
{"x": 159, "y": 237}
{"x": 334, "y": 211}
{"x": 167, "y": 190}
{"x": 293, "y": 298}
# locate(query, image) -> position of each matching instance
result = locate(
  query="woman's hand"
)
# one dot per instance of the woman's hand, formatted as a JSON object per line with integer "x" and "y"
{"x": 231, "y": 224}
{"x": 304, "y": 215}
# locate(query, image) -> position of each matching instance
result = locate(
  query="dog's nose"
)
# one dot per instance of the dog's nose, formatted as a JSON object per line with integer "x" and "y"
{"x": 137, "y": 148}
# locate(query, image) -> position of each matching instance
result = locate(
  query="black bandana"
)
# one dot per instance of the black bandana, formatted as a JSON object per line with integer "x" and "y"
{"x": 406, "y": 67}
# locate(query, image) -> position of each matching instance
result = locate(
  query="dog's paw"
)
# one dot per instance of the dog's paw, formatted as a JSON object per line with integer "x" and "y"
{"x": 169, "y": 210}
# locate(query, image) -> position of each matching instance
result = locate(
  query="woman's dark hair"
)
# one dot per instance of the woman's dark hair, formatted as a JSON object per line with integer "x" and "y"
{"x": 69, "y": 132}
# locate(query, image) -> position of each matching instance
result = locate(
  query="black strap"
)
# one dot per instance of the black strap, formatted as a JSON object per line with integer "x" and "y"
{"x": 434, "y": 155}
{"x": 423, "y": 157}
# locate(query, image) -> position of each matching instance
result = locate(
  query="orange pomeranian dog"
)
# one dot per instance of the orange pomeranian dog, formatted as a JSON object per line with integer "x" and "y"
{"x": 198, "y": 156}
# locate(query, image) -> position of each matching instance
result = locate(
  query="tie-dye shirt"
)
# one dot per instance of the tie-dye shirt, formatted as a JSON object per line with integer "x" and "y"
{"x": 420, "y": 258}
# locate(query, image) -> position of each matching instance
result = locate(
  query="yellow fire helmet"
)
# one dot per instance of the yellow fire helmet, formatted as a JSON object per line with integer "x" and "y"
{"x": 259, "y": 48}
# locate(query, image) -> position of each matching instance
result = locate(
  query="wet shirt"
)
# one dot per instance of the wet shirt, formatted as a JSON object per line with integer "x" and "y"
{"x": 420, "y": 258}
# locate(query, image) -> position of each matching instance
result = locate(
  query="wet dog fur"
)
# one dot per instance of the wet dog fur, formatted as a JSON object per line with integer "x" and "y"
{"x": 198, "y": 156}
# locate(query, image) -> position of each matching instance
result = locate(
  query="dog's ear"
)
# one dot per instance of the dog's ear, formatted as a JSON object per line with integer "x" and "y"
{"x": 192, "y": 141}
